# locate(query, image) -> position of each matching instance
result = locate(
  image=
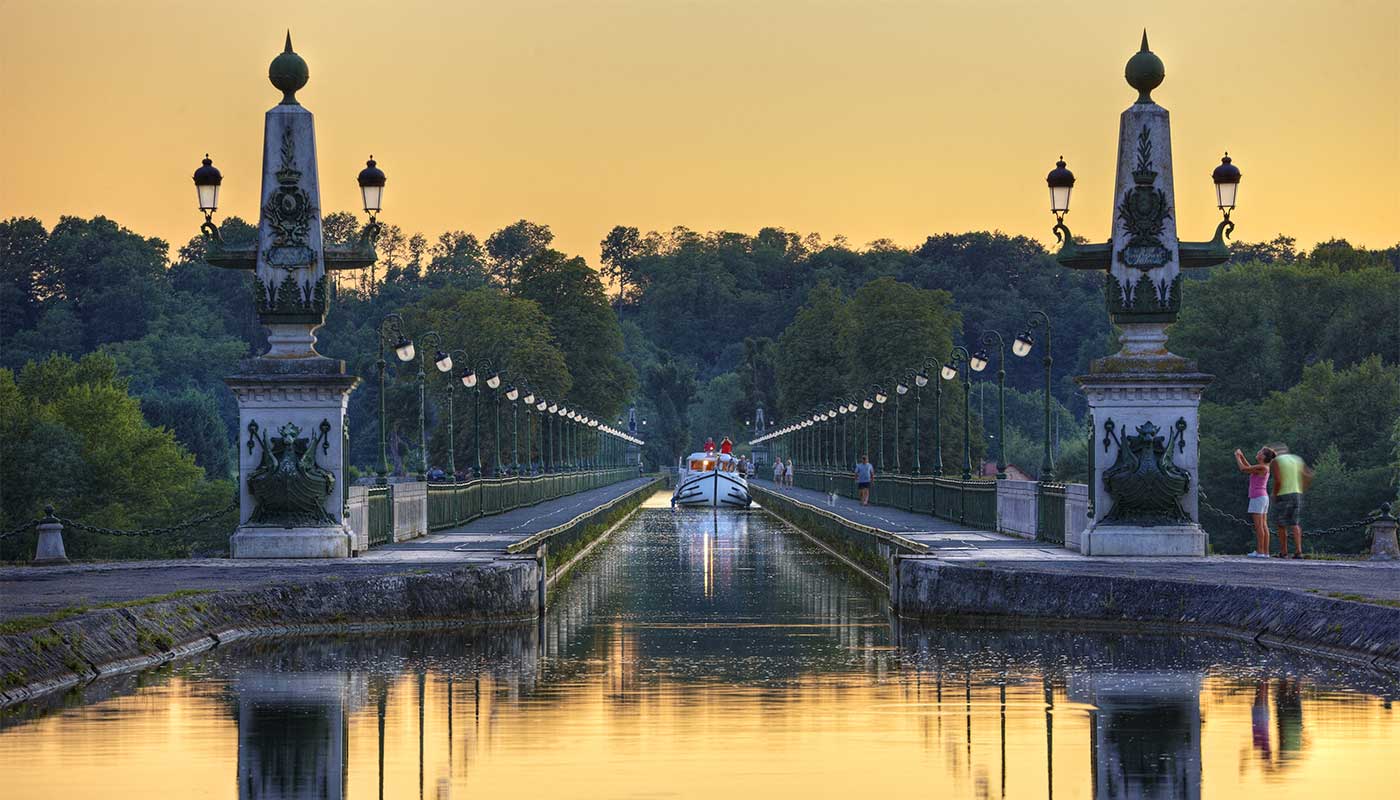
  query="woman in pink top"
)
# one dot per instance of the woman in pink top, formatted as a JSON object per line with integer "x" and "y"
{"x": 1258, "y": 473}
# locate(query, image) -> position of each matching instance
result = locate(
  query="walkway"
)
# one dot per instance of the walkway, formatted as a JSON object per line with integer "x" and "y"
{"x": 1368, "y": 581}
{"x": 950, "y": 540}
{"x": 42, "y": 590}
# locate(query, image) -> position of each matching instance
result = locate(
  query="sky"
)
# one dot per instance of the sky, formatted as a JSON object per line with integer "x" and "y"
{"x": 862, "y": 118}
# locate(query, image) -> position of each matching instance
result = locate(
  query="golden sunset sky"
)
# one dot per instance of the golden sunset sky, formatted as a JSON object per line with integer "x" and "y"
{"x": 864, "y": 118}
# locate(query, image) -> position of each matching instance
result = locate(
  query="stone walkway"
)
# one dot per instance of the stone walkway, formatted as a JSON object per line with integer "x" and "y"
{"x": 1348, "y": 580}
{"x": 39, "y": 590}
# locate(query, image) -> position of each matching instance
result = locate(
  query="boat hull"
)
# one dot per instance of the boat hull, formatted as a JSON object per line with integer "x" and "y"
{"x": 712, "y": 489}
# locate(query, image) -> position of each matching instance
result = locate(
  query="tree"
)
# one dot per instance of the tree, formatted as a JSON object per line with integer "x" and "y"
{"x": 512, "y": 247}
{"x": 195, "y": 419}
{"x": 671, "y": 388}
{"x": 620, "y": 250}
{"x": 72, "y": 436}
{"x": 584, "y": 327}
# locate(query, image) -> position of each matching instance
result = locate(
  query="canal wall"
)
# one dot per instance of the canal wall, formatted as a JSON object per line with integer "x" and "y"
{"x": 869, "y": 550}
{"x": 1360, "y": 632}
{"x": 106, "y": 641}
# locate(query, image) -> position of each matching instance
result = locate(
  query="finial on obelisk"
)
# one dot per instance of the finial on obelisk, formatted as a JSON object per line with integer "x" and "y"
{"x": 288, "y": 72}
{"x": 1145, "y": 71}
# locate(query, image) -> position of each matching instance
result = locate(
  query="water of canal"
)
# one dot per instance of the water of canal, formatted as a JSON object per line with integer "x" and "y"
{"x": 718, "y": 656}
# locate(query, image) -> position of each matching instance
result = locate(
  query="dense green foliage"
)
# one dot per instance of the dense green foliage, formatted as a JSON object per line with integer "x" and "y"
{"x": 699, "y": 331}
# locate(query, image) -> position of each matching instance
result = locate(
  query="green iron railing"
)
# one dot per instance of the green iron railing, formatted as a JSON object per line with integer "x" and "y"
{"x": 453, "y": 504}
{"x": 379, "y": 506}
{"x": 1050, "y": 513}
{"x": 972, "y": 503}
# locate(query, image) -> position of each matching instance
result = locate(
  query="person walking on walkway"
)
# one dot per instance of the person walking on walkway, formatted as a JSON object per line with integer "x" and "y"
{"x": 778, "y": 471}
{"x": 1291, "y": 478}
{"x": 787, "y": 472}
{"x": 865, "y": 476}
{"x": 1258, "y": 473}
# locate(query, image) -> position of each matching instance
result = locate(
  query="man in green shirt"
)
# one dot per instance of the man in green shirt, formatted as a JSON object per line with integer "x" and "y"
{"x": 1291, "y": 478}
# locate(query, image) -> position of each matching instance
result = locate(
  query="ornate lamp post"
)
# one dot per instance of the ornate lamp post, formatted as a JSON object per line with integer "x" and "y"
{"x": 529, "y": 401}
{"x": 452, "y": 411}
{"x": 957, "y": 363}
{"x": 291, "y": 391}
{"x": 1022, "y": 348}
{"x": 443, "y": 362}
{"x": 513, "y": 394}
{"x": 390, "y": 331}
{"x": 1144, "y": 393}
{"x": 472, "y": 380}
{"x": 901, "y": 388}
{"x": 554, "y": 451}
{"x": 979, "y": 363}
{"x": 880, "y": 398}
{"x": 541, "y": 407}
{"x": 867, "y": 404}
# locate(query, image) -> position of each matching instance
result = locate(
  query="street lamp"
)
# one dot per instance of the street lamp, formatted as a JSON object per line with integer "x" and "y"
{"x": 529, "y": 401}
{"x": 1227, "y": 185}
{"x": 371, "y": 180}
{"x": 513, "y": 394}
{"x": 979, "y": 363}
{"x": 957, "y": 361}
{"x": 471, "y": 378}
{"x": 901, "y": 388}
{"x": 443, "y": 362}
{"x": 1022, "y": 348}
{"x": 553, "y": 411}
{"x": 207, "y": 180}
{"x": 451, "y": 413}
{"x": 494, "y": 384}
{"x": 390, "y": 330}
{"x": 880, "y": 398}
{"x": 540, "y": 408}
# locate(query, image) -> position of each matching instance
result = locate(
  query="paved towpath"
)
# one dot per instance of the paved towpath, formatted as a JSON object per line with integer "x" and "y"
{"x": 1349, "y": 580}
{"x": 40, "y": 590}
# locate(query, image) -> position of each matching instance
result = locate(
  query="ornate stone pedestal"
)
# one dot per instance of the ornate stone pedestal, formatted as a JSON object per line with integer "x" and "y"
{"x": 1145, "y": 460}
{"x": 291, "y": 458}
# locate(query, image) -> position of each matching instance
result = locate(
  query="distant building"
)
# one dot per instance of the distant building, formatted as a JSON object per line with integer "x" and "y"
{"x": 1013, "y": 472}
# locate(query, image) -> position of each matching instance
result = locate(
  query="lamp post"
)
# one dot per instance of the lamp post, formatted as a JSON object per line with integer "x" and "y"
{"x": 529, "y": 401}
{"x": 513, "y": 394}
{"x": 979, "y": 363}
{"x": 901, "y": 388}
{"x": 957, "y": 363}
{"x": 920, "y": 380}
{"x": 880, "y": 398}
{"x": 443, "y": 362}
{"x": 1022, "y": 348}
{"x": 390, "y": 330}
{"x": 452, "y": 413}
{"x": 541, "y": 407}
{"x": 472, "y": 380}
{"x": 494, "y": 384}
{"x": 553, "y": 411}
{"x": 867, "y": 403}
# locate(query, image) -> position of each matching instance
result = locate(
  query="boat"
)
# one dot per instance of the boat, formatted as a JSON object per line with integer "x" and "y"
{"x": 711, "y": 479}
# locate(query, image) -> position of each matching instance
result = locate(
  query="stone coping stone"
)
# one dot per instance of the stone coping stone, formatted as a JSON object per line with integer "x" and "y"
{"x": 108, "y": 641}
{"x": 1272, "y": 617}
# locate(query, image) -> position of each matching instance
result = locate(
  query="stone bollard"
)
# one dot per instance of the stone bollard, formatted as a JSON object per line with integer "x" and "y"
{"x": 1383, "y": 543}
{"x": 50, "y": 547}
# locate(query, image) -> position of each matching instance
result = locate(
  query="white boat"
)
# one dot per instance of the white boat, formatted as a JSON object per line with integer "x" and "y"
{"x": 711, "y": 479}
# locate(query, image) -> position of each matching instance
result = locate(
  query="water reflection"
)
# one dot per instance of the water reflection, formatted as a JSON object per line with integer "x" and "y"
{"x": 712, "y": 655}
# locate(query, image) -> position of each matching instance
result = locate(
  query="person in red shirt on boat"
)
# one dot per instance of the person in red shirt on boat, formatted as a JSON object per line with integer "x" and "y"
{"x": 726, "y": 447}
{"x": 709, "y": 444}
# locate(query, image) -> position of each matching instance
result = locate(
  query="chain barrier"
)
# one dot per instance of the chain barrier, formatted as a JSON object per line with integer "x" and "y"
{"x": 1335, "y": 529}
{"x": 23, "y": 526}
{"x": 161, "y": 531}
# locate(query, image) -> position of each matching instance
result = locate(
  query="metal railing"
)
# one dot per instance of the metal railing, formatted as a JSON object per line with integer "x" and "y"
{"x": 453, "y": 504}
{"x": 1050, "y": 513}
{"x": 379, "y": 508}
{"x": 972, "y": 503}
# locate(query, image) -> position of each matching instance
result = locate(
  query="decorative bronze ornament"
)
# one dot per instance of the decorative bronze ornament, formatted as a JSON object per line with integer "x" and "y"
{"x": 1144, "y": 483}
{"x": 1144, "y": 210}
{"x": 289, "y": 487}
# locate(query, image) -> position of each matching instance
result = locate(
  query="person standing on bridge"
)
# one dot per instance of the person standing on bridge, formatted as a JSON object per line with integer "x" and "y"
{"x": 865, "y": 476}
{"x": 1258, "y": 473}
{"x": 1291, "y": 478}
{"x": 778, "y": 471}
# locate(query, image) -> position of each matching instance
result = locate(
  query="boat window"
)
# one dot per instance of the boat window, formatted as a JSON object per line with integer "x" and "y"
{"x": 697, "y": 465}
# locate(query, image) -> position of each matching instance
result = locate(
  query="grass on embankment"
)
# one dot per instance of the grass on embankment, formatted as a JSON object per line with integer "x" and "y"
{"x": 35, "y": 621}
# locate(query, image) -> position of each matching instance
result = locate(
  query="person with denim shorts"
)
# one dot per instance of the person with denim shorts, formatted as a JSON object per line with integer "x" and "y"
{"x": 1258, "y": 473}
{"x": 1291, "y": 479}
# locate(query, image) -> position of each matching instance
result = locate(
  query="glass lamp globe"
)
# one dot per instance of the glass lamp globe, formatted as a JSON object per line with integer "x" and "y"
{"x": 978, "y": 362}
{"x": 207, "y": 180}
{"x": 1023, "y": 344}
{"x": 494, "y": 381}
{"x": 949, "y": 371}
{"x": 442, "y": 361}
{"x": 512, "y": 394}
{"x": 1227, "y": 184}
{"x": 372, "y": 187}
{"x": 1061, "y": 183}
{"x": 404, "y": 349}
{"x": 921, "y": 380}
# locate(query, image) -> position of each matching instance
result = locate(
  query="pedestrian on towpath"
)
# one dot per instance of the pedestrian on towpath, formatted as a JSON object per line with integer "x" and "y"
{"x": 865, "y": 476}
{"x": 1258, "y": 473}
{"x": 1292, "y": 477}
{"x": 778, "y": 470}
